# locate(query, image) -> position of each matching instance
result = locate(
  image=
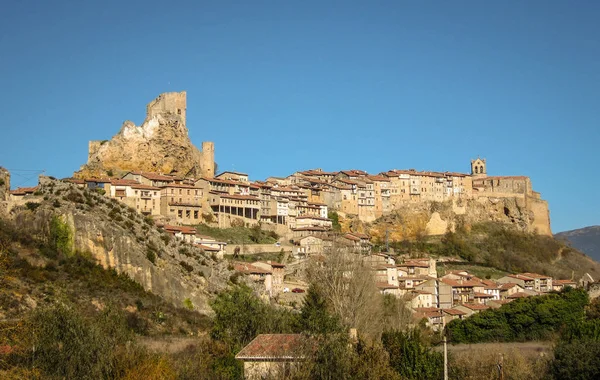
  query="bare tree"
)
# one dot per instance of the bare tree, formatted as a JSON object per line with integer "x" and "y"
{"x": 348, "y": 285}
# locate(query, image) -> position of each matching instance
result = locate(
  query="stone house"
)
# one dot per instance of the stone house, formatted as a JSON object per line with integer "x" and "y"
{"x": 529, "y": 281}
{"x": 187, "y": 234}
{"x": 144, "y": 199}
{"x": 278, "y": 272}
{"x": 419, "y": 299}
{"x": 452, "y": 314}
{"x": 273, "y": 356}
{"x": 471, "y": 308}
{"x": 210, "y": 245}
{"x": 559, "y": 285}
{"x": 181, "y": 202}
{"x": 509, "y": 288}
{"x": 442, "y": 296}
{"x": 259, "y": 275}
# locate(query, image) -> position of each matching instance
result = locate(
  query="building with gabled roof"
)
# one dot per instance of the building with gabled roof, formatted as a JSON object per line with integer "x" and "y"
{"x": 274, "y": 355}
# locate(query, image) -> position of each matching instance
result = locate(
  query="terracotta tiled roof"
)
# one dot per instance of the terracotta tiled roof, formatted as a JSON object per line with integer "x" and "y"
{"x": 563, "y": 282}
{"x": 475, "y": 306}
{"x": 182, "y": 229}
{"x": 207, "y": 248}
{"x": 273, "y": 347}
{"x": 519, "y": 295}
{"x": 230, "y": 172}
{"x": 98, "y": 180}
{"x": 179, "y": 186}
{"x": 155, "y": 176}
{"x": 535, "y": 275}
{"x": 454, "y": 312}
{"x": 508, "y": 285}
{"x": 249, "y": 268}
{"x": 144, "y": 187}
{"x": 124, "y": 182}
{"x": 23, "y": 190}
{"x": 482, "y": 295}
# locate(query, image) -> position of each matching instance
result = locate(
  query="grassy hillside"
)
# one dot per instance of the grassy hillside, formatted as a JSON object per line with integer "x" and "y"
{"x": 494, "y": 245}
{"x": 238, "y": 235}
{"x": 33, "y": 276}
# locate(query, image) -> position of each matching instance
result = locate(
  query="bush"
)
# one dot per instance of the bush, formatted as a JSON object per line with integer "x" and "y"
{"x": 32, "y": 206}
{"x": 186, "y": 266}
{"x": 61, "y": 236}
{"x": 531, "y": 318}
{"x": 151, "y": 256}
{"x": 410, "y": 357}
{"x": 69, "y": 346}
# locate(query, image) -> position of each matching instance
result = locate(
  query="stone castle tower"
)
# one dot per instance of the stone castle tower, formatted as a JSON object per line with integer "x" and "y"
{"x": 207, "y": 165}
{"x": 168, "y": 102}
{"x": 478, "y": 168}
{"x": 161, "y": 144}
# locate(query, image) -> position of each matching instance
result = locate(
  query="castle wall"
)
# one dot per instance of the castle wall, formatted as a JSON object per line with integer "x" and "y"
{"x": 169, "y": 102}
{"x": 541, "y": 216}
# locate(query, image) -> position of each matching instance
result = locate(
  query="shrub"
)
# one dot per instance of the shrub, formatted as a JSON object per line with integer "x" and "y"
{"x": 61, "y": 236}
{"x": 186, "y": 266}
{"x": 32, "y": 206}
{"x": 151, "y": 256}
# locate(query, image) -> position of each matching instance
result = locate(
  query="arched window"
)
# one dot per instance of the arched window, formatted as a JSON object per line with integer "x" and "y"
{"x": 481, "y": 169}
{"x": 475, "y": 169}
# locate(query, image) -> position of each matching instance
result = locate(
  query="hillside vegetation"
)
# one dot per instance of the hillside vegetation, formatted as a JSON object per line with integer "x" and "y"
{"x": 496, "y": 245}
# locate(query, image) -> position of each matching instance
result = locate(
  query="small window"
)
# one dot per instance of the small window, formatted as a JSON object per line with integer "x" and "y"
{"x": 178, "y": 111}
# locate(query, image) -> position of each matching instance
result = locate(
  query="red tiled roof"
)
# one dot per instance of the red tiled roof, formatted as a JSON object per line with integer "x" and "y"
{"x": 182, "y": 229}
{"x": 519, "y": 295}
{"x": 249, "y": 268}
{"x": 23, "y": 190}
{"x": 123, "y": 182}
{"x": 144, "y": 187}
{"x": 454, "y": 312}
{"x": 179, "y": 186}
{"x": 475, "y": 306}
{"x": 563, "y": 282}
{"x": 482, "y": 295}
{"x": 535, "y": 275}
{"x": 273, "y": 347}
{"x": 508, "y": 285}
{"x": 155, "y": 176}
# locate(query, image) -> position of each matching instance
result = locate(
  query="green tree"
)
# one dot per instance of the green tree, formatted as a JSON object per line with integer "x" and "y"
{"x": 315, "y": 317}
{"x": 61, "y": 236}
{"x": 410, "y": 357}
{"x": 335, "y": 221}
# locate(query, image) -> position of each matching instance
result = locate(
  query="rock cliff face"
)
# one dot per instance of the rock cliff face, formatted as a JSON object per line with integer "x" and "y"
{"x": 118, "y": 237}
{"x": 160, "y": 145}
{"x": 436, "y": 218}
{"x": 4, "y": 190}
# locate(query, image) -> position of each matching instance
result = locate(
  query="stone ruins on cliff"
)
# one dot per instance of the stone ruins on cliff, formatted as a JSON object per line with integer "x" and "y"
{"x": 160, "y": 145}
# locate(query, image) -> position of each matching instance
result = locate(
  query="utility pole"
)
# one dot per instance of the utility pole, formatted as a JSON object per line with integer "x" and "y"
{"x": 445, "y": 357}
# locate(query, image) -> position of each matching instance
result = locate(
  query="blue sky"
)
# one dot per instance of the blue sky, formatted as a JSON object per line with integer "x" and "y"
{"x": 281, "y": 86}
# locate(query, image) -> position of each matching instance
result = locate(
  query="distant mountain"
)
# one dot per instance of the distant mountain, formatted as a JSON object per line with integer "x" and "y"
{"x": 586, "y": 239}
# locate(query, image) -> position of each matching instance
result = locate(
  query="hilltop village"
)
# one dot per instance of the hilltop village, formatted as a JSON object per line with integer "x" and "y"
{"x": 155, "y": 169}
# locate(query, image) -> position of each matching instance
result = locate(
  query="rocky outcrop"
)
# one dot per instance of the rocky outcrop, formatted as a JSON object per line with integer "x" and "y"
{"x": 160, "y": 145}
{"x": 120, "y": 238}
{"x": 4, "y": 190}
{"x": 436, "y": 218}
